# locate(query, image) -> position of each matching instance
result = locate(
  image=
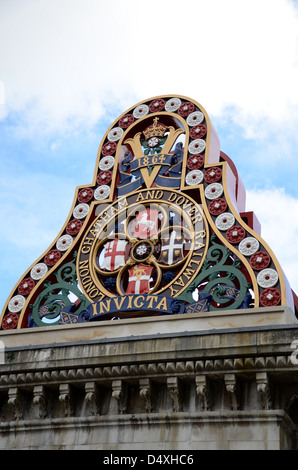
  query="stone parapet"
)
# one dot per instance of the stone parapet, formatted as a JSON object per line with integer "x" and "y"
{"x": 152, "y": 383}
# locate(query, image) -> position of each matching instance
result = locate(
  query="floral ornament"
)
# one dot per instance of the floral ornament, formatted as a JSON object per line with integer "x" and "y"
{"x": 157, "y": 105}
{"x": 52, "y": 257}
{"x": 197, "y": 146}
{"x": 194, "y": 177}
{"x": 248, "y": 246}
{"x": 106, "y": 163}
{"x": 186, "y": 108}
{"x": 212, "y": 175}
{"x": 74, "y": 226}
{"x": 195, "y": 118}
{"x": 64, "y": 242}
{"x": 267, "y": 278}
{"x": 213, "y": 191}
{"x": 102, "y": 192}
{"x": 198, "y": 132}
{"x": 195, "y": 162}
{"x": 115, "y": 134}
{"x": 225, "y": 221}
{"x": 235, "y": 234}
{"x": 16, "y": 303}
{"x": 80, "y": 211}
{"x": 218, "y": 206}
{"x": 126, "y": 121}
{"x": 260, "y": 260}
{"x": 109, "y": 148}
{"x": 173, "y": 104}
{"x": 270, "y": 297}
{"x": 26, "y": 286}
{"x": 104, "y": 177}
{"x": 85, "y": 195}
{"x": 141, "y": 111}
{"x": 10, "y": 321}
{"x": 38, "y": 271}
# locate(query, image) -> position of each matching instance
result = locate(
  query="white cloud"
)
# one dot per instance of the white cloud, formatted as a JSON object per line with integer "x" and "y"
{"x": 277, "y": 212}
{"x": 64, "y": 63}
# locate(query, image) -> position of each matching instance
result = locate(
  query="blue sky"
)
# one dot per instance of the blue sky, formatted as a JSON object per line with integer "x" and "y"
{"x": 69, "y": 68}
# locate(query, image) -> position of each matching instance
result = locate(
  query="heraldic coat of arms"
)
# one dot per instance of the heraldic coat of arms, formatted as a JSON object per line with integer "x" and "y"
{"x": 161, "y": 230}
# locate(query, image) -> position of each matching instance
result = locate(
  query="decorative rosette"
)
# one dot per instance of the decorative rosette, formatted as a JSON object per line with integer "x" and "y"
{"x": 194, "y": 177}
{"x": 80, "y": 211}
{"x": 106, "y": 163}
{"x": 218, "y": 206}
{"x": 16, "y": 303}
{"x": 102, "y": 192}
{"x": 104, "y": 177}
{"x": 212, "y": 175}
{"x": 52, "y": 257}
{"x": 85, "y": 195}
{"x": 173, "y": 104}
{"x": 270, "y": 297}
{"x": 126, "y": 121}
{"x": 64, "y": 242}
{"x": 260, "y": 260}
{"x": 195, "y": 162}
{"x": 26, "y": 286}
{"x": 10, "y": 321}
{"x": 109, "y": 148}
{"x": 248, "y": 246}
{"x": 186, "y": 108}
{"x": 141, "y": 111}
{"x": 197, "y": 146}
{"x": 195, "y": 118}
{"x": 198, "y": 132}
{"x": 235, "y": 234}
{"x": 225, "y": 221}
{"x": 157, "y": 105}
{"x": 115, "y": 134}
{"x": 38, "y": 271}
{"x": 267, "y": 278}
{"x": 74, "y": 226}
{"x": 213, "y": 191}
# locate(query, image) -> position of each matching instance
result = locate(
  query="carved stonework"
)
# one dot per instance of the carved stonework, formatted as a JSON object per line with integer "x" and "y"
{"x": 92, "y": 398}
{"x": 119, "y": 392}
{"x": 203, "y": 392}
{"x": 40, "y": 400}
{"x": 65, "y": 398}
{"x": 263, "y": 388}
{"x": 231, "y": 387}
{"x": 175, "y": 386}
{"x": 145, "y": 394}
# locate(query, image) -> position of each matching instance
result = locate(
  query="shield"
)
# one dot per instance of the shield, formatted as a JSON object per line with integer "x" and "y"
{"x": 139, "y": 278}
{"x": 146, "y": 226}
{"x": 171, "y": 249}
{"x": 114, "y": 255}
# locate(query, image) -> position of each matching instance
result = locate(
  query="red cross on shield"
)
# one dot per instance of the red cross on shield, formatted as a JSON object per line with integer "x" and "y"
{"x": 139, "y": 279}
{"x": 114, "y": 254}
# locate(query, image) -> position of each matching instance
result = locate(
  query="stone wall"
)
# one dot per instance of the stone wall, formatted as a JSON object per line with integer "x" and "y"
{"x": 158, "y": 383}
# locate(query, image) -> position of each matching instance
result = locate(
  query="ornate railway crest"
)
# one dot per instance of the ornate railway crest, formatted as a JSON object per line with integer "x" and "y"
{"x": 161, "y": 230}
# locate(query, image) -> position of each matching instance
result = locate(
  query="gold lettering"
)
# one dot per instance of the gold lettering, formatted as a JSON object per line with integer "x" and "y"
{"x": 86, "y": 249}
{"x": 103, "y": 306}
{"x": 136, "y": 299}
{"x": 188, "y": 273}
{"x": 151, "y": 298}
{"x": 180, "y": 282}
{"x": 162, "y": 304}
{"x": 117, "y": 303}
{"x": 140, "y": 197}
{"x": 129, "y": 302}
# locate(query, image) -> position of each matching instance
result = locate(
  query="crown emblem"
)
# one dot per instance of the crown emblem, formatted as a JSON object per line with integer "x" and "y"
{"x": 155, "y": 130}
